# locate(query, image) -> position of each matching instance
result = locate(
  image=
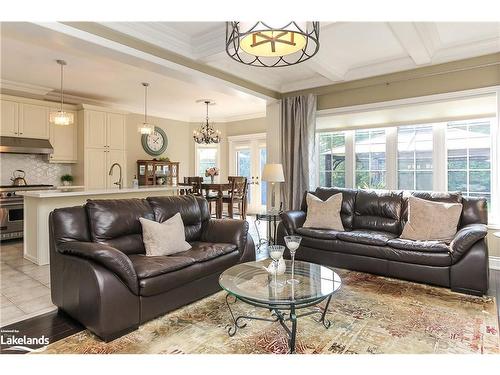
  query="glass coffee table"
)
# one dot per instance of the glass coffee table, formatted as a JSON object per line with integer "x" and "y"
{"x": 250, "y": 283}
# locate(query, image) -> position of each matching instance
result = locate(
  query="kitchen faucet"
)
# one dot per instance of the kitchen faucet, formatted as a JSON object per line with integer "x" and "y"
{"x": 119, "y": 182}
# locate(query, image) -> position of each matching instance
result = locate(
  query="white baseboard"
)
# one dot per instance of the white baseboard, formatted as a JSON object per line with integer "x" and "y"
{"x": 494, "y": 263}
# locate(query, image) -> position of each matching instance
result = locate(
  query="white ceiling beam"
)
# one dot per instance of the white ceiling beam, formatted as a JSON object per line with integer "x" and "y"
{"x": 326, "y": 69}
{"x": 409, "y": 38}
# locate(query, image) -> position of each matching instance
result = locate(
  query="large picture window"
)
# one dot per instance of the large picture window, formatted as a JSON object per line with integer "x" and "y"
{"x": 468, "y": 147}
{"x": 415, "y": 157}
{"x": 370, "y": 151}
{"x": 332, "y": 159}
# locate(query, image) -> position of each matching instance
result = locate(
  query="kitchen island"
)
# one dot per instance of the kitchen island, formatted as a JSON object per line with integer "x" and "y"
{"x": 38, "y": 205}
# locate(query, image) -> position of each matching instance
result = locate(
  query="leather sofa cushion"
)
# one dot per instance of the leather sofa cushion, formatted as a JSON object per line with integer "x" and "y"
{"x": 203, "y": 251}
{"x": 325, "y": 234}
{"x": 192, "y": 211}
{"x": 425, "y": 246}
{"x": 149, "y": 266}
{"x": 348, "y": 202}
{"x": 167, "y": 281}
{"x": 378, "y": 211}
{"x": 368, "y": 237}
{"x": 70, "y": 224}
{"x": 474, "y": 211}
{"x": 115, "y": 222}
{"x": 428, "y": 258}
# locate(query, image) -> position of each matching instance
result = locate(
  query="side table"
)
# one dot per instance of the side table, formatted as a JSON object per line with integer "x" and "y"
{"x": 272, "y": 218}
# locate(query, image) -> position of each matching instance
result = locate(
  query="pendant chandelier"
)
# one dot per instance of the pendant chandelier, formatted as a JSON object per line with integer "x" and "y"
{"x": 263, "y": 45}
{"x": 61, "y": 117}
{"x": 145, "y": 127}
{"x": 206, "y": 134}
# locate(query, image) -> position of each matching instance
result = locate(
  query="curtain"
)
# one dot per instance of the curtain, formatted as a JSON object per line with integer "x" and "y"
{"x": 297, "y": 147}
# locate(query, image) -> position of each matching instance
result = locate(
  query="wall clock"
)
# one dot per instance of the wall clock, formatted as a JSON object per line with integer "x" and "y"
{"x": 155, "y": 143}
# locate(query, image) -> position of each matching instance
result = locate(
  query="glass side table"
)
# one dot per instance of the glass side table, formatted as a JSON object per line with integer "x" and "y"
{"x": 272, "y": 218}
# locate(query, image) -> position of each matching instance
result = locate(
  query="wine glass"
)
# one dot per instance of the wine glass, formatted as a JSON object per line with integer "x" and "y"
{"x": 293, "y": 243}
{"x": 276, "y": 252}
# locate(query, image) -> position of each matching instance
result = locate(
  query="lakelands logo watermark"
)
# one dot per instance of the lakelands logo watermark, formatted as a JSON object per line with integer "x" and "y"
{"x": 21, "y": 343}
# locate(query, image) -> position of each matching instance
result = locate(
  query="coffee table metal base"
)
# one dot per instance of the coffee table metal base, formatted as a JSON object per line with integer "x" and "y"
{"x": 278, "y": 315}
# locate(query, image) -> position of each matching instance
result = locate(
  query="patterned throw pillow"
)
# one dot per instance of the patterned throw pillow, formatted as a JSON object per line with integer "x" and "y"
{"x": 165, "y": 238}
{"x": 431, "y": 221}
{"x": 324, "y": 214}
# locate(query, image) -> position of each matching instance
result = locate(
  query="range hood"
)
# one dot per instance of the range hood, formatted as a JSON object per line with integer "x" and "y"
{"x": 15, "y": 145}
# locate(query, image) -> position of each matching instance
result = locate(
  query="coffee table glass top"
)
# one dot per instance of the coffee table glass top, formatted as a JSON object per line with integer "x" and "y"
{"x": 251, "y": 281}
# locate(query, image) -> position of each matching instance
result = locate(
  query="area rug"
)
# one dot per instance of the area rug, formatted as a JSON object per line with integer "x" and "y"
{"x": 370, "y": 314}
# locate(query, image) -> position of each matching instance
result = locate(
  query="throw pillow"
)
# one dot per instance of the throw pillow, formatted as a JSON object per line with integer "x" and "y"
{"x": 165, "y": 238}
{"x": 431, "y": 221}
{"x": 324, "y": 214}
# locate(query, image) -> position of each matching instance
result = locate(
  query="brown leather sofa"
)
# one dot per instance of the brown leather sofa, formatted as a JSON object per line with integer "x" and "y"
{"x": 101, "y": 277}
{"x": 373, "y": 222}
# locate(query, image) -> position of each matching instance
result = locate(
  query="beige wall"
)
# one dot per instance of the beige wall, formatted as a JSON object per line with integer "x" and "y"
{"x": 243, "y": 127}
{"x": 482, "y": 71}
{"x": 179, "y": 140}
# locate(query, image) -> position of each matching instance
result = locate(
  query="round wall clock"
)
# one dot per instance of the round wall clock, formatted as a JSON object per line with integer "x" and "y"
{"x": 155, "y": 143}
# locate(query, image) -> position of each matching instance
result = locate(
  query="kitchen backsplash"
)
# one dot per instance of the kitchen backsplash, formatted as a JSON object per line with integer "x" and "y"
{"x": 38, "y": 169}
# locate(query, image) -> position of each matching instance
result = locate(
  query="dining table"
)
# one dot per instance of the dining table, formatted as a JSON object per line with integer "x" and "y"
{"x": 208, "y": 189}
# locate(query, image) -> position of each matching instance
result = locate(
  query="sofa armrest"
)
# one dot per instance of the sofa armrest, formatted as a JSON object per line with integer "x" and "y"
{"x": 465, "y": 238}
{"x": 227, "y": 231}
{"x": 293, "y": 220}
{"x": 108, "y": 257}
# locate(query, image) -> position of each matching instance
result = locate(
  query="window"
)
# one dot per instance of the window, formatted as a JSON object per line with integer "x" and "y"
{"x": 369, "y": 146}
{"x": 332, "y": 159}
{"x": 206, "y": 157}
{"x": 468, "y": 147}
{"x": 415, "y": 157}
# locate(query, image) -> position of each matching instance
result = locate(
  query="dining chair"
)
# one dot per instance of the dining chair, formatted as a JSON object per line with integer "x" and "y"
{"x": 236, "y": 196}
{"x": 195, "y": 182}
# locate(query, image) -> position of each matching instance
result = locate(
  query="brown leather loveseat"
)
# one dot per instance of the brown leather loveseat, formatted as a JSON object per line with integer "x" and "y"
{"x": 101, "y": 276}
{"x": 373, "y": 222}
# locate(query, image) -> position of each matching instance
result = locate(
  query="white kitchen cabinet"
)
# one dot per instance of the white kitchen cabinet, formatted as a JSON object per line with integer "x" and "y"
{"x": 95, "y": 129}
{"x": 97, "y": 164}
{"x": 115, "y": 135}
{"x": 95, "y": 168}
{"x": 9, "y": 118}
{"x": 103, "y": 143}
{"x": 64, "y": 141}
{"x": 33, "y": 121}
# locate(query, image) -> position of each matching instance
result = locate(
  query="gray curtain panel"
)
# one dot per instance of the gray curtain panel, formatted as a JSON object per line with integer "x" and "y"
{"x": 298, "y": 116}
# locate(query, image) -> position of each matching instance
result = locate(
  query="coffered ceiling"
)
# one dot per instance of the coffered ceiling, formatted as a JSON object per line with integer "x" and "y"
{"x": 185, "y": 61}
{"x": 348, "y": 50}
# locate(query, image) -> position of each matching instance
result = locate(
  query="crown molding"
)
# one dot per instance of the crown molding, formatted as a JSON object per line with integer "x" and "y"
{"x": 24, "y": 87}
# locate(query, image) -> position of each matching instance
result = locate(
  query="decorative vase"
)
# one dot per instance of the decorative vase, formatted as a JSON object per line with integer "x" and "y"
{"x": 66, "y": 183}
{"x": 212, "y": 179}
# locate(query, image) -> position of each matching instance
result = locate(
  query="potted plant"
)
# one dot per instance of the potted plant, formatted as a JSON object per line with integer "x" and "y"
{"x": 67, "y": 179}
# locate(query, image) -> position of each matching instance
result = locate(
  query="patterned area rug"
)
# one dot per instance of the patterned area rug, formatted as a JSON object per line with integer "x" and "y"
{"x": 370, "y": 314}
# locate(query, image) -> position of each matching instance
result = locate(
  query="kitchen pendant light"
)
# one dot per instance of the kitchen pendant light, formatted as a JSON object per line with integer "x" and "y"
{"x": 145, "y": 127}
{"x": 62, "y": 117}
{"x": 206, "y": 134}
{"x": 264, "y": 45}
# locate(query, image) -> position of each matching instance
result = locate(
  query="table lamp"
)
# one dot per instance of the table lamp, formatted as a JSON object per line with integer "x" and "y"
{"x": 273, "y": 173}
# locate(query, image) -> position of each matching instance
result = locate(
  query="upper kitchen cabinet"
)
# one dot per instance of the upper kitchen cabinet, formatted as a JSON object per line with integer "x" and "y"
{"x": 64, "y": 141}
{"x": 104, "y": 129}
{"x": 24, "y": 120}
{"x": 33, "y": 121}
{"x": 9, "y": 118}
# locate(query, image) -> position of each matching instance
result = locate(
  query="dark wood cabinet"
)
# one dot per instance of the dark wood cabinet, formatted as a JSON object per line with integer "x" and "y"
{"x": 156, "y": 172}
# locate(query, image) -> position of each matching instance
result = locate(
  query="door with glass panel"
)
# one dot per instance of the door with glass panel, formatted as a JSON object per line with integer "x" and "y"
{"x": 247, "y": 158}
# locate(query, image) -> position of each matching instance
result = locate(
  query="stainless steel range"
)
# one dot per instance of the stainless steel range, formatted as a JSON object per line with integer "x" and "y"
{"x": 12, "y": 209}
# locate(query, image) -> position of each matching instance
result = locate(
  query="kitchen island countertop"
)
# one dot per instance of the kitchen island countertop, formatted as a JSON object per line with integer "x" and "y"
{"x": 90, "y": 192}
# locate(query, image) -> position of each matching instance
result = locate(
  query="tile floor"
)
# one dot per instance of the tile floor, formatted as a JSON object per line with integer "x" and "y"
{"x": 25, "y": 287}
